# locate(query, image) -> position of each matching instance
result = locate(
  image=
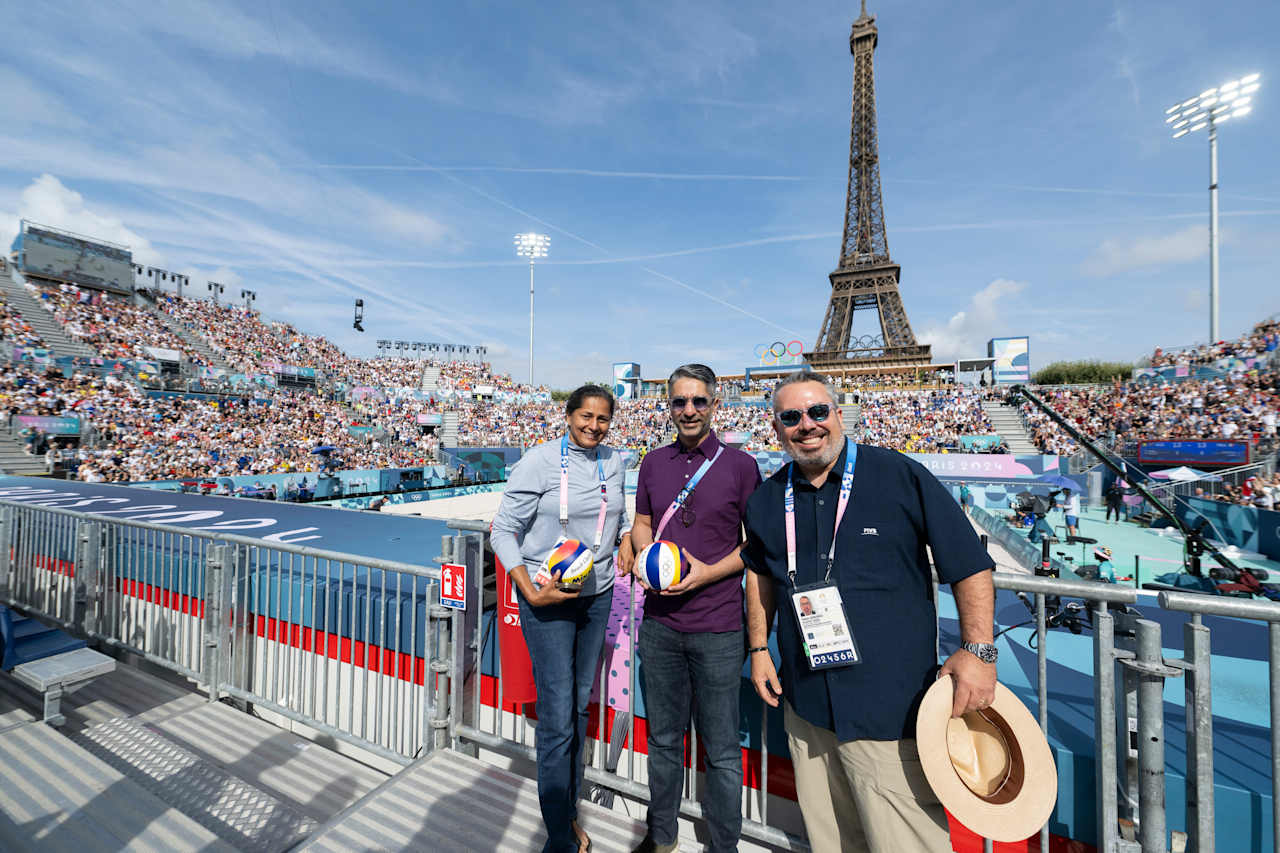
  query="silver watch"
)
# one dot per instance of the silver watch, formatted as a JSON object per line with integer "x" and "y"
{"x": 985, "y": 652}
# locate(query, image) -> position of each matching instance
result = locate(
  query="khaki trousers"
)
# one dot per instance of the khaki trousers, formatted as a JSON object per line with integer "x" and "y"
{"x": 863, "y": 796}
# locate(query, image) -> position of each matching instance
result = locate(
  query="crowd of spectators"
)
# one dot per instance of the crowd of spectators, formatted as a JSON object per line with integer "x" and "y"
{"x": 923, "y": 421}
{"x": 129, "y": 435}
{"x": 1263, "y": 339}
{"x": 108, "y": 323}
{"x": 15, "y": 329}
{"x": 1242, "y": 402}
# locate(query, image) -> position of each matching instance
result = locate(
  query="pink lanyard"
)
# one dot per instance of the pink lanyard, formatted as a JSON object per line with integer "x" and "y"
{"x": 789, "y": 506}
{"x": 564, "y": 493}
{"x": 686, "y": 491}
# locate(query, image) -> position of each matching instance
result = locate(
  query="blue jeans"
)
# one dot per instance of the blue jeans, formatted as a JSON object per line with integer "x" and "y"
{"x": 698, "y": 674}
{"x": 565, "y": 641}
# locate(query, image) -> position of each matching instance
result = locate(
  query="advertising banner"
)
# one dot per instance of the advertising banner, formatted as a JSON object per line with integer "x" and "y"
{"x": 979, "y": 442}
{"x": 1012, "y": 360}
{"x": 430, "y": 419}
{"x": 50, "y": 426}
{"x": 517, "y": 669}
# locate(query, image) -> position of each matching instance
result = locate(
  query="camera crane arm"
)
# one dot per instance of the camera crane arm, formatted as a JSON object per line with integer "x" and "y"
{"x": 1196, "y": 544}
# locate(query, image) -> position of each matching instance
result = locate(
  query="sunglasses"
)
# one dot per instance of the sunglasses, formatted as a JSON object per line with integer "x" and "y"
{"x": 817, "y": 413}
{"x": 699, "y": 403}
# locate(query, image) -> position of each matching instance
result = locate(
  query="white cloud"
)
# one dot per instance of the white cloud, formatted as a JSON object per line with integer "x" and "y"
{"x": 1117, "y": 256}
{"x": 985, "y": 317}
{"x": 49, "y": 202}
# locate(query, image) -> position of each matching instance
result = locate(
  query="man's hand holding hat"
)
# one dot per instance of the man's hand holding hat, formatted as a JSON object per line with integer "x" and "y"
{"x": 975, "y": 682}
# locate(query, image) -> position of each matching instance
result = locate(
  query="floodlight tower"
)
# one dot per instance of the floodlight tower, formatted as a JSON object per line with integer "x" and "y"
{"x": 1209, "y": 109}
{"x": 531, "y": 246}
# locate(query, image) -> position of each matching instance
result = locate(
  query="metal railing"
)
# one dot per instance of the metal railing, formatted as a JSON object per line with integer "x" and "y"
{"x": 353, "y": 647}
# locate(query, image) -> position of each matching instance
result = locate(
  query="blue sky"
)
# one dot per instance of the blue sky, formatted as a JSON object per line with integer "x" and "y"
{"x": 688, "y": 161}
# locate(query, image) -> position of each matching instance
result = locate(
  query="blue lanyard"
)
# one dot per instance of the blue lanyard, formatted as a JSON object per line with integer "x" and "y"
{"x": 564, "y": 492}
{"x": 686, "y": 491}
{"x": 789, "y": 505}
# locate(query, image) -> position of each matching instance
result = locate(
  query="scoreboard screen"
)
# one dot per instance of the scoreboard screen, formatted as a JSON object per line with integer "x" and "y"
{"x": 1221, "y": 452}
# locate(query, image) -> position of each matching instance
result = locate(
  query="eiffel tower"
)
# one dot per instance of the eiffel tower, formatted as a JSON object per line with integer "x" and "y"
{"x": 866, "y": 278}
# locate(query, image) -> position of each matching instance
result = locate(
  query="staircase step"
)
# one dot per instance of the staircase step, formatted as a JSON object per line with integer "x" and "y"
{"x": 41, "y": 644}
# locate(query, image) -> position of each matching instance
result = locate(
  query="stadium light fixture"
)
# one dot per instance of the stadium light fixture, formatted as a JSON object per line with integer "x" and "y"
{"x": 531, "y": 246}
{"x": 1208, "y": 110}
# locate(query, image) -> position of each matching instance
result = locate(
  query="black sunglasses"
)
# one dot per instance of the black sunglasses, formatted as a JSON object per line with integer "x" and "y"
{"x": 817, "y": 413}
{"x": 699, "y": 403}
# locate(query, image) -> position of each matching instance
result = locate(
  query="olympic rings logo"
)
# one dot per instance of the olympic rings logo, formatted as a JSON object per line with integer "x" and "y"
{"x": 780, "y": 353}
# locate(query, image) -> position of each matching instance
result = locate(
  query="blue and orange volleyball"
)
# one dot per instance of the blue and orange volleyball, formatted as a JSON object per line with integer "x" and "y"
{"x": 661, "y": 564}
{"x": 572, "y": 559}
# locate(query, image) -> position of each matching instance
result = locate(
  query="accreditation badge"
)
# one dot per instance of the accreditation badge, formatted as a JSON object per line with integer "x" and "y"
{"x": 824, "y": 627}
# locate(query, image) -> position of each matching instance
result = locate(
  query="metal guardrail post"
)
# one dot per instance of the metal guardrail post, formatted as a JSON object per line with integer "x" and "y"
{"x": 1151, "y": 672}
{"x": 6, "y": 548}
{"x": 88, "y": 582}
{"x": 1104, "y": 725}
{"x": 1195, "y": 642}
{"x": 211, "y": 661}
{"x": 443, "y": 628}
{"x": 1273, "y": 668}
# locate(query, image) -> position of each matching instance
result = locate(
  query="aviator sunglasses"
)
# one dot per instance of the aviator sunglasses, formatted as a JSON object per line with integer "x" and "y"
{"x": 817, "y": 413}
{"x": 699, "y": 403}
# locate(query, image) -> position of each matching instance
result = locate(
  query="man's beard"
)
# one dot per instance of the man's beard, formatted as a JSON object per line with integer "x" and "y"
{"x": 819, "y": 458}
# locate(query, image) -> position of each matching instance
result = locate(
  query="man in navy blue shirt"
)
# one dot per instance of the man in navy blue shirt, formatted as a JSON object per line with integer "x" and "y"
{"x": 861, "y": 518}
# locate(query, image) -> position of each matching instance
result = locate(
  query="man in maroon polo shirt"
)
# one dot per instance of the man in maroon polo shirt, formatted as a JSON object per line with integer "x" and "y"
{"x": 690, "y": 643}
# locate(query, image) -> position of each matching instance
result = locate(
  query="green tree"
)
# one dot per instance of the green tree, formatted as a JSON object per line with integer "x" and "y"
{"x": 1082, "y": 372}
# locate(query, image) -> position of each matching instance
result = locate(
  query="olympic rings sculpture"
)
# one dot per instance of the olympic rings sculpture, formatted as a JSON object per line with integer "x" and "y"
{"x": 780, "y": 353}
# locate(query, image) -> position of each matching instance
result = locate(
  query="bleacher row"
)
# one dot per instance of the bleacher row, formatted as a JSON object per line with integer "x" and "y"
{"x": 367, "y": 408}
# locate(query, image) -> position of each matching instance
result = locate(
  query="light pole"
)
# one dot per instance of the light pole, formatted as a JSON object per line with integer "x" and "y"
{"x": 1209, "y": 109}
{"x": 249, "y": 297}
{"x": 531, "y": 246}
{"x": 215, "y": 288}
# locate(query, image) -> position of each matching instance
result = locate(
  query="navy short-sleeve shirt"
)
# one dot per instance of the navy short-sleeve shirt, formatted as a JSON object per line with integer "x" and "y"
{"x": 882, "y": 569}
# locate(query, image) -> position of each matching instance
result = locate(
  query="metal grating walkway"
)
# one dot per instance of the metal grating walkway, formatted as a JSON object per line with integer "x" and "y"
{"x": 451, "y": 802}
{"x": 56, "y": 797}
{"x": 250, "y": 819}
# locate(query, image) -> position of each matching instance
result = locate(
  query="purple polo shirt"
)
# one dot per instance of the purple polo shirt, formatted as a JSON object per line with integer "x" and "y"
{"x": 717, "y": 506}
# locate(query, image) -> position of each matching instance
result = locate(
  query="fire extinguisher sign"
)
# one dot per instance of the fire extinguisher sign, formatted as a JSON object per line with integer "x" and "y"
{"x": 453, "y": 586}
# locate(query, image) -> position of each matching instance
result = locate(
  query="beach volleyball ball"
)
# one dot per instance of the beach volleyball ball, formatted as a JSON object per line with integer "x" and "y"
{"x": 572, "y": 559}
{"x": 660, "y": 564}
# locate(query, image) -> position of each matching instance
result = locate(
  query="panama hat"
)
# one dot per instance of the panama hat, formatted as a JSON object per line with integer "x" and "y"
{"x": 992, "y": 768}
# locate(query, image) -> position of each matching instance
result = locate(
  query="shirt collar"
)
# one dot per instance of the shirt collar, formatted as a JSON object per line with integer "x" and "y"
{"x": 707, "y": 447}
{"x": 574, "y": 447}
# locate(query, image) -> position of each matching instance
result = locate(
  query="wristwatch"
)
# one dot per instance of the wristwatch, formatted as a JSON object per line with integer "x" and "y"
{"x": 985, "y": 652}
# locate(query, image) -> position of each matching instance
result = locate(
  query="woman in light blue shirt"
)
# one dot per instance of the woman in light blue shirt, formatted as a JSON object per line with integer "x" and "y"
{"x": 564, "y": 628}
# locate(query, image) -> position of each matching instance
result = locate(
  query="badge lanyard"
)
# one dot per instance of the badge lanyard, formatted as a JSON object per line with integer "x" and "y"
{"x": 789, "y": 505}
{"x": 564, "y": 493}
{"x": 683, "y": 497}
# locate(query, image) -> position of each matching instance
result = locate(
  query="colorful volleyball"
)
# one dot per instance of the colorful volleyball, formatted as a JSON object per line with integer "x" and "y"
{"x": 661, "y": 565}
{"x": 572, "y": 559}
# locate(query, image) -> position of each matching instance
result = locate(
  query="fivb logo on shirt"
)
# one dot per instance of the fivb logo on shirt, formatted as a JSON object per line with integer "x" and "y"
{"x": 870, "y": 531}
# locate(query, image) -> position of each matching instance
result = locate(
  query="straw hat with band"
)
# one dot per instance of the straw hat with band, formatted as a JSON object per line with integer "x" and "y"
{"x": 991, "y": 769}
{"x": 1102, "y": 552}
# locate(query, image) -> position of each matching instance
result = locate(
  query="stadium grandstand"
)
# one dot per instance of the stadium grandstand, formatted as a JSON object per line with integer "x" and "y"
{"x": 180, "y": 388}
